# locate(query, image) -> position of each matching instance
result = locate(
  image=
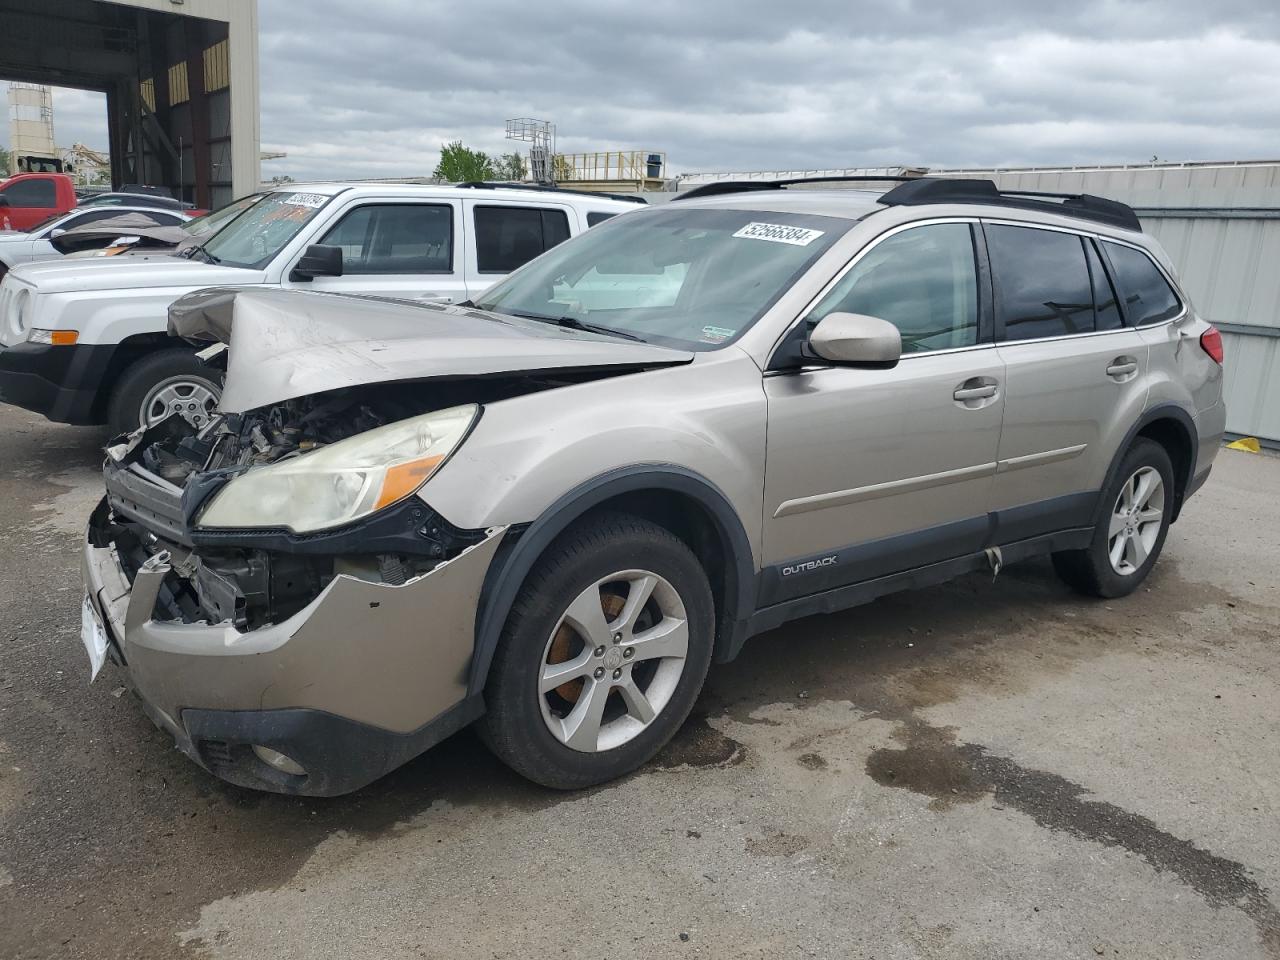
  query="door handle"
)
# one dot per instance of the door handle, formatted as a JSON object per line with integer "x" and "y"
{"x": 981, "y": 392}
{"x": 1121, "y": 368}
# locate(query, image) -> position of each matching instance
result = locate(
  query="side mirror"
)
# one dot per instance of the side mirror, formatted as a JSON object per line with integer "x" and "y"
{"x": 318, "y": 260}
{"x": 57, "y": 232}
{"x": 856, "y": 338}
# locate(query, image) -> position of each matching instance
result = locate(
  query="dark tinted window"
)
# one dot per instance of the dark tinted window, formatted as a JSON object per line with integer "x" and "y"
{"x": 924, "y": 281}
{"x": 1106, "y": 308}
{"x": 1146, "y": 294}
{"x": 596, "y": 216}
{"x": 31, "y": 193}
{"x": 395, "y": 238}
{"x": 1042, "y": 282}
{"x": 509, "y": 237}
{"x": 88, "y": 217}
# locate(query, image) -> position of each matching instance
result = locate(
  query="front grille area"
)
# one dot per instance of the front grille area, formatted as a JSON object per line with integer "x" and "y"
{"x": 141, "y": 496}
{"x": 13, "y": 329}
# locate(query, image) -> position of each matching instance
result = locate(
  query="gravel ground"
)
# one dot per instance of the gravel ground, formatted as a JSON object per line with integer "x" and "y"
{"x": 987, "y": 770}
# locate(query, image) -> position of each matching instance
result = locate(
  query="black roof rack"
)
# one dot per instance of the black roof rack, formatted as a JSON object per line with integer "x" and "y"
{"x": 917, "y": 190}
{"x": 719, "y": 187}
{"x": 1083, "y": 206}
{"x": 546, "y": 188}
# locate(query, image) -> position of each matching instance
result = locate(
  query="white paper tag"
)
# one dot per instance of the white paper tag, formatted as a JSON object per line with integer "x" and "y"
{"x": 94, "y": 638}
{"x": 306, "y": 199}
{"x": 779, "y": 233}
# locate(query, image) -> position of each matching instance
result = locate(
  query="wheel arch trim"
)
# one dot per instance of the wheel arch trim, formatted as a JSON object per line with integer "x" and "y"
{"x": 1165, "y": 411}
{"x": 508, "y": 572}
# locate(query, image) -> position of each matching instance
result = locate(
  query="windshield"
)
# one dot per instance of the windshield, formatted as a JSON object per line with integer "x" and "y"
{"x": 203, "y": 227}
{"x": 253, "y": 239}
{"x": 691, "y": 278}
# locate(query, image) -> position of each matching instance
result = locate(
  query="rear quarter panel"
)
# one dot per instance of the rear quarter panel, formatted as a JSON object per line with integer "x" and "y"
{"x": 1181, "y": 372}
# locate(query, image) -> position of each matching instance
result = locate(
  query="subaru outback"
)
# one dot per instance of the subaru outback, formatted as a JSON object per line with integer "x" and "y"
{"x": 550, "y": 510}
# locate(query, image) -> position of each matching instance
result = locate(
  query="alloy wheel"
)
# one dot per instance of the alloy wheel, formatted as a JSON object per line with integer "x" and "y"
{"x": 193, "y": 400}
{"x": 613, "y": 661}
{"x": 1136, "y": 521}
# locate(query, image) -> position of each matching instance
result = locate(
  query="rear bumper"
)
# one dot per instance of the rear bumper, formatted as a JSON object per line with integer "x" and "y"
{"x": 60, "y": 382}
{"x": 365, "y": 677}
{"x": 1211, "y": 428}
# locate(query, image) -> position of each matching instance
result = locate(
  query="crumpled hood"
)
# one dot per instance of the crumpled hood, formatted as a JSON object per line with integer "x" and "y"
{"x": 285, "y": 344}
{"x": 111, "y": 273}
{"x": 129, "y": 224}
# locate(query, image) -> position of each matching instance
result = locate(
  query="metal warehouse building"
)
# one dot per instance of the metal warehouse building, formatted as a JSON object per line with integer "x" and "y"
{"x": 1220, "y": 223}
{"x": 180, "y": 78}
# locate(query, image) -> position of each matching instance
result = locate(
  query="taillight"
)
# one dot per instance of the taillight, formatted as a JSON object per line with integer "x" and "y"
{"x": 1211, "y": 343}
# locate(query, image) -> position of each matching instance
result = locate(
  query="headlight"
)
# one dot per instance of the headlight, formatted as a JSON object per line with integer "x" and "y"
{"x": 344, "y": 481}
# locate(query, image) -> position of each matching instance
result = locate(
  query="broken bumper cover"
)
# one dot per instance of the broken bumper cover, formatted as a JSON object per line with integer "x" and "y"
{"x": 362, "y": 679}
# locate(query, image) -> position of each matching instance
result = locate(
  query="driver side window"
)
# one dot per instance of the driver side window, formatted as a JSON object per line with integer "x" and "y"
{"x": 923, "y": 280}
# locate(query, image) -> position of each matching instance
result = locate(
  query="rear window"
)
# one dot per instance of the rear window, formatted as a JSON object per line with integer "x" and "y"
{"x": 596, "y": 216}
{"x": 1145, "y": 293}
{"x": 1043, "y": 287}
{"x": 509, "y": 237}
{"x": 31, "y": 193}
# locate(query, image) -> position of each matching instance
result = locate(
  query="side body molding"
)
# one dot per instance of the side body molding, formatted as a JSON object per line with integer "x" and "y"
{"x": 512, "y": 565}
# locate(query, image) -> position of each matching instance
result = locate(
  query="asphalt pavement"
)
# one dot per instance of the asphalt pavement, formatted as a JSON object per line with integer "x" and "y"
{"x": 993, "y": 768}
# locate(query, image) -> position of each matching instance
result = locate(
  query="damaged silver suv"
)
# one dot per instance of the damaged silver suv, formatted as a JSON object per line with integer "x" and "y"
{"x": 550, "y": 510}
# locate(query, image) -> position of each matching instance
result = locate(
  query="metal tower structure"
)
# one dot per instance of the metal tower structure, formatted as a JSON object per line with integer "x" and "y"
{"x": 31, "y": 141}
{"x": 541, "y": 137}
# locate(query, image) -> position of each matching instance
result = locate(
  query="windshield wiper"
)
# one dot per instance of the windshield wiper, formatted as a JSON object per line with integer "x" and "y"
{"x": 192, "y": 250}
{"x": 573, "y": 323}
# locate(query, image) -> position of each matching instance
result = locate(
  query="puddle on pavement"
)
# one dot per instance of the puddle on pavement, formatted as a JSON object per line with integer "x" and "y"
{"x": 699, "y": 744}
{"x": 932, "y": 763}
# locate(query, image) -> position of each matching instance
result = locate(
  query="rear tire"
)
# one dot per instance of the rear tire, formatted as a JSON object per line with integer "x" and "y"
{"x": 174, "y": 380}
{"x": 607, "y": 583}
{"x": 1136, "y": 509}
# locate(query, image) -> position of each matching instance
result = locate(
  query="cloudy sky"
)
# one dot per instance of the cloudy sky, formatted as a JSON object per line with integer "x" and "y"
{"x": 373, "y": 89}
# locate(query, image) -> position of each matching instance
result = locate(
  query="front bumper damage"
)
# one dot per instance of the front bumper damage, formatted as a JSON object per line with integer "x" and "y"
{"x": 364, "y": 676}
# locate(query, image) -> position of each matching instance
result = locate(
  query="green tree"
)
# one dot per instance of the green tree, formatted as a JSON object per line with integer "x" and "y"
{"x": 459, "y": 163}
{"x": 4, "y": 162}
{"x": 510, "y": 166}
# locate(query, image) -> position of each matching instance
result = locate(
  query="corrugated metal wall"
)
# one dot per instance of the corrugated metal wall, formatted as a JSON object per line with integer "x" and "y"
{"x": 1221, "y": 226}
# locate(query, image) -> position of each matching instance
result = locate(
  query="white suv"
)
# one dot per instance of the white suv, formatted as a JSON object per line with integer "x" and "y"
{"x": 86, "y": 342}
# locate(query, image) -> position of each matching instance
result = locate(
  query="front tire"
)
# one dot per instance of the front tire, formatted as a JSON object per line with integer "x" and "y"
{"x": 1138, "y": 507}
{"x": 166, "y": 383}
{"x": 603, "y": 654}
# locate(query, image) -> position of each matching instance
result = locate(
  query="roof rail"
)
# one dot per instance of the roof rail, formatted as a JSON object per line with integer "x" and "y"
{"x": 719, "y": 187}
{"x": 546, "y": 188}
{"x": 1083, "y": 206}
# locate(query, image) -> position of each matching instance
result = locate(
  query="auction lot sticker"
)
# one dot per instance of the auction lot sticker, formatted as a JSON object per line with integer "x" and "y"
{"x": 306, "y": 199}
{"x": 779, "y": 233}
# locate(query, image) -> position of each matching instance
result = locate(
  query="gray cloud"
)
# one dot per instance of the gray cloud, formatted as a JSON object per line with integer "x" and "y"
{"x": 374, "y": 89}
{"x": 742, "y": 85}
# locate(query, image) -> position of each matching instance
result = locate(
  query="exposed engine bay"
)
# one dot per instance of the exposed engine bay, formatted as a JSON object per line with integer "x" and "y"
{"x": 158, "y": 480}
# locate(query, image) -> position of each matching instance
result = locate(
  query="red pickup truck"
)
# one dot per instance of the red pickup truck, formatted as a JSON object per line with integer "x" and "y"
{"x": 29, "y": 198}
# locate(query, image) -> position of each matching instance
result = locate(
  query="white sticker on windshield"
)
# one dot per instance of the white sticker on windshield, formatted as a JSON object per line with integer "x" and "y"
{"x": 779, "y": 233}
{"x": 306, "y": 199}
